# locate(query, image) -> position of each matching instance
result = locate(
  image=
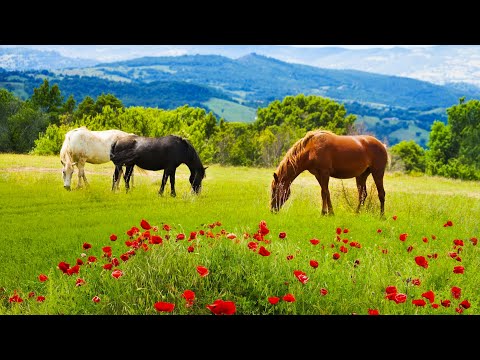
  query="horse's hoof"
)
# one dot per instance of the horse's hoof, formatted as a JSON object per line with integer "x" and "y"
{"x": 173, "y": 195}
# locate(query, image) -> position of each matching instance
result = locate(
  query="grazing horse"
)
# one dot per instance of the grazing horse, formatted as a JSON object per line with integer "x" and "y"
{"x": 157, "y": 153}
{"x": 325, "y": 154}
{"x": 84, "y": 146}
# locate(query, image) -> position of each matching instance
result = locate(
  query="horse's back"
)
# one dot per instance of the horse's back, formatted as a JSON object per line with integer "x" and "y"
{"x": 92, "y": 146}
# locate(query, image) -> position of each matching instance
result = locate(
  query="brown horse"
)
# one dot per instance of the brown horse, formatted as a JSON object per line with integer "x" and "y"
{"x": 325, "y": 154}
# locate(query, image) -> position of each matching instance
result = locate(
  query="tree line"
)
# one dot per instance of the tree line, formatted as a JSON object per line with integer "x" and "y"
{"x": 38, "y": 126}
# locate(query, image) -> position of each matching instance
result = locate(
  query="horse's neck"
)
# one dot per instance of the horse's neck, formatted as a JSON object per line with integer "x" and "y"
{"x": 194, "y": 165}
{"x": 290, "y": 171}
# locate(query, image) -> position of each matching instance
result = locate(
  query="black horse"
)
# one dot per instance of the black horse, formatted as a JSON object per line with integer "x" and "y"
{"x": 157, "y": 153}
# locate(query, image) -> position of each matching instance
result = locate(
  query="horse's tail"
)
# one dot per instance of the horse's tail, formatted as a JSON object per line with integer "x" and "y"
{"x": 389, "y": 156}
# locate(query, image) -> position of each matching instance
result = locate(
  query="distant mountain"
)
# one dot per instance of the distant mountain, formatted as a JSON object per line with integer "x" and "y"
{"x": 28, "y": 59}
{"x": 438, "y": 64}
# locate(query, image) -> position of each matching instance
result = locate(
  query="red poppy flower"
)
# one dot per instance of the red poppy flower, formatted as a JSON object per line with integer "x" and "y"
{"x": 336, "y": 256}
{"x": 79, "y": 282}
{"x": 164, "y": 306}
{"x": 79, "y": 262}
{"x": 92, "y": 259}
{"x": 384, "y": 251}
{"x": 263, "y": 228}
{"x": 289, "y": 298}
{"x": 188, "y": 295}
{"x": 42, "y": 277}
{"x": 31, "y": 294}
{"x": 474, "y": 241}
{"x": 301, "y": 276}
{"x": 323, "y": 291}
{"x": 86, "y": 246}
{"x": 394, "y": 217}
{"x": 190, "y": 249}
{"x": 128, "y": 243}
{"x": 155, "y": 239}
{"x": 403, "y": 236}
{"x": 458, "y": 242}
{"x": 252, "y": 245}
{"x": 314, "y": 241}
{"x": 115, "y": 262}
{"x": 117, "y": 273}
{"x": 42, "y": 298}
{"x": 96, "y": 299}
{"x": 343, "y": 249}
{"x": 108, "y": 266}
{"x": 453, "y": 254}
{"x": 419, "y": 302}
{"x": 73, "y": 270}
{"x": 429, "y": 295}
{"x": 356, "y": 263}
{"x": 416, "y": 282}
{"x": 345, "y": 241}
{"x": 113, "y": 237}
{"x": 203, "y": 271}
{"x": 124, "y": 257}
{"x": 180, "y": 236}
{"x": 379, "y": 231}
{"x": 264, "y": 252}
{"x": 459, "y": 310}
{"x": 459, "y": 269}
{"x": 289, "y": 257}
{"x": 106, "y": 249}
{"x": 399, "y": 298}
{"x": 410, "y": 248}
{"x": 15, "y": 298}
{"x": 445, "y": 303}
{"x": 220, "y": 307}
{"x": 231, "y": 236}
{"x": 273, "y": 300}
{"x": 373, "y": 312}
{"x": 433, "y": 237}
{"x": 314, "y": 264}
{"x": 145, "y": 225}
{"x": 282, "y": 235}
{"x": 458, "y": 258}
{"x": 465, "y": 304}
{"x": 456, "y": 292}
{"x": 449, "y": 223}
{"x": 391, "y": 289}
{"x": 425, "y": 239}
{"x": 435, "y": 306}
{"x": 421, "y": 261}
{"x": 338, "y": 231}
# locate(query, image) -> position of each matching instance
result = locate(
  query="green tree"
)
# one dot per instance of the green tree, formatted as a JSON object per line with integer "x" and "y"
{"x": 107, "y": 99}
{"x": 9, "y": 105}
{"x": 85, "y": 108}
{"x": 48, "y": 99}
{"x": 411, "y": 154}
{"x": 307, "y": 113}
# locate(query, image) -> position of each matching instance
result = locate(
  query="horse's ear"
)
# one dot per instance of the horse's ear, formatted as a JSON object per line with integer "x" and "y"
{"x": 205, "y": 168}
{"x": 275, "y": 176}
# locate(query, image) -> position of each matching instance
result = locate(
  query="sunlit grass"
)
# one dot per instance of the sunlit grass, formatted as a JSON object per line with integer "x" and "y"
{"x": 43, "y": 224}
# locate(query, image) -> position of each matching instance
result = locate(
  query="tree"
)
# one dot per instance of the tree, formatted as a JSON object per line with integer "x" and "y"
{"x": 107, "y": 99}
{"x": 411, "y": 154}
{"x": 48, "y": 99}
{"x": 85, "y": 108}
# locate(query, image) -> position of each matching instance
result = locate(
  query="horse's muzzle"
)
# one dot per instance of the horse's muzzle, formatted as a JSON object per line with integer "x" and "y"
{"x": 67, "y": 188}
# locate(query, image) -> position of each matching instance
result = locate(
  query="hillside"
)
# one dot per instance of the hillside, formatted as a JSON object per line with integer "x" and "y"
{"x": 235, "y": 88}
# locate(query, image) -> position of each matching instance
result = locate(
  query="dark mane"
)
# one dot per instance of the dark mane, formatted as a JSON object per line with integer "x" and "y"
{"x": 192, "y": 154}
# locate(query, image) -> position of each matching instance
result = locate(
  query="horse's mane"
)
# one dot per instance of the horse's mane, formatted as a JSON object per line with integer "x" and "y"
{"x": 192, "y": 154}
{"x": 297, "y": 149}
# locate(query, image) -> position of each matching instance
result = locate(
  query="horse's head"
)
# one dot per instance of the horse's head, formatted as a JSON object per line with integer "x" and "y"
{"x": 196, "y": 178}
{"x": 67, "y": 172}
{"x": 280, "y": 193}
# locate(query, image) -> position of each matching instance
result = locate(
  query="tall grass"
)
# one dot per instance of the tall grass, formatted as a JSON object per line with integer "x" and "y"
{"x": 42, "y": 225}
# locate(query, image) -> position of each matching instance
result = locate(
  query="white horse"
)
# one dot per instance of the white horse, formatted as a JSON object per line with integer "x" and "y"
{"x": 84, "y": 146}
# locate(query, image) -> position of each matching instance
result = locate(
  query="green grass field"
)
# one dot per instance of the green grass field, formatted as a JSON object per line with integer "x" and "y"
{"x": 43, "y": 225}
{"x": 231, "y": 111}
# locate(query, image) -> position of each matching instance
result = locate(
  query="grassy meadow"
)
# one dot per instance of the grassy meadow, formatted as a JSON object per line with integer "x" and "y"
{"x": 43, "y": 224}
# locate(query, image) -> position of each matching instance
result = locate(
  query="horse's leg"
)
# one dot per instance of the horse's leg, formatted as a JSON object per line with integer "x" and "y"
{"x": 172, "y": 183}
{"x": 119, "y": 176}
{"x": 81, "y": 174}
{"x": 116, "y": 177}
{"x": 378, "y": 178}
{"x": 326, "y": 202}
{"x": 126, "y": 177}
{"x": 362, "y": 188}
{"x": 164, "y": 181}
